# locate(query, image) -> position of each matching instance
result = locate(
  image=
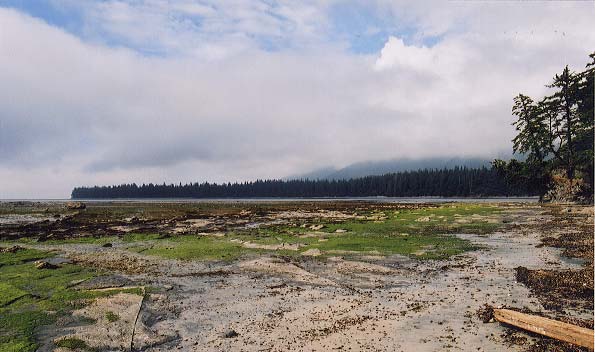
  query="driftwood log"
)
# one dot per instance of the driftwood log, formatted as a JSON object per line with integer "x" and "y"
{"x": 552, "y": 328}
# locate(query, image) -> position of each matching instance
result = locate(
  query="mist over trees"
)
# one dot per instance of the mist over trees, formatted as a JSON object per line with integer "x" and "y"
{"x": 556, "y": 136}
{"x": 456, "y": 182}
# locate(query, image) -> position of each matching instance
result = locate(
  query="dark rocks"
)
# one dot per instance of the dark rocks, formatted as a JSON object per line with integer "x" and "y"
{"x": 12, "y": 249}
{"x": 556, "y": 286}
{"x": 45, "y": 265}
{"x": 486, "y": 313}
{"x": 107, "y": 245}
{"x": 230, "y": 334}
{"x": 132, "y": 220}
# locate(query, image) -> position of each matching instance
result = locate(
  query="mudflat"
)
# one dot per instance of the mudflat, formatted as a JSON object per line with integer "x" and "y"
{"x": 289, "y": 276}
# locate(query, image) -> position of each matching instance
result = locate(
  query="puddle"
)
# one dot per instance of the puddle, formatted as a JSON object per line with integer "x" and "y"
{"x": 513, "y": 250}
{"x": 58, "y": 260}
{"x": 572, "y": 262}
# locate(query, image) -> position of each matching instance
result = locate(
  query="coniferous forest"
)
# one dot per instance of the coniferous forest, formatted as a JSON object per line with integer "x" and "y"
{"x": 456, "y": 182}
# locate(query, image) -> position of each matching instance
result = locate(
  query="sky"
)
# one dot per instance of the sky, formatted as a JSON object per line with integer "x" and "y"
{"x": 118, "y": 91}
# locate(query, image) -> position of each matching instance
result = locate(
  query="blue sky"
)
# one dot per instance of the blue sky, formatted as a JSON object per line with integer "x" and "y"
{"x": 66, "y": 17}
{"x": 364, "y": 29}
{"x": 115, "y": 91}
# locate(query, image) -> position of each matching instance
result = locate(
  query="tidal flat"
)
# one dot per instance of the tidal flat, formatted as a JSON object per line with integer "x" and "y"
{"x": 285, "y": 276}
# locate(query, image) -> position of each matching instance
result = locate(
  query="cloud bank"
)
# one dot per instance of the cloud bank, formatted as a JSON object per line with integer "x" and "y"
{"x": 150, "y": 91}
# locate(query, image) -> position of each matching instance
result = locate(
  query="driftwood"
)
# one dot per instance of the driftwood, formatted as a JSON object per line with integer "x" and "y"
{"x": 140, "y": 307}
{"x": 548, "y": 327}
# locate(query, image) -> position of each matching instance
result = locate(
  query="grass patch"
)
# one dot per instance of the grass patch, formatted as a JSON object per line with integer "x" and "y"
{"x": 459, "y": 218}
{"x": 31, "y": 297}
{"x": 428, "y": 247}
{"x": 21, "y": 256}
{"x": 77, "y": 240}
{"x": 138, "y": 237}
{"x": 9, "y": 293}
{"x": 421, "y": 233}
{"x": 74, "y": 343}
{"x": 112, "y": 317}
{"x": 197, "y": 247}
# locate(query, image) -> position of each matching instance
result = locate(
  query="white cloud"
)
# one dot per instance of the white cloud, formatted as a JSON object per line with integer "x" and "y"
{"x": 75, "y": 111}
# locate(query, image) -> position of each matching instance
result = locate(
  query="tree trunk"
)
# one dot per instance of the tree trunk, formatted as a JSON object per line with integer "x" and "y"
{"x": 570, "y": 164}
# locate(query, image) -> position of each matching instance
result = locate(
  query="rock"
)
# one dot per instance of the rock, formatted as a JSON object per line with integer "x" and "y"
{"x": 12, "y": 249}
{"x": 340, "y": 231}
{"x": 316, "y": 227}
{"x": 107, "y": 245}
{"x": 75, "y": 205}
{"x": 313, "y": 252}
{"x": 132, "y": 219}
{"x": 229, "y": 334}
{"x": 486, "y": 314}
{"x": 40, "y": 264}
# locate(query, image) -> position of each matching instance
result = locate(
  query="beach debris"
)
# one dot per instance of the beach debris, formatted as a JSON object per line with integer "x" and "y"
{"x": 75, "y": 205}
{"x": 132, "y": 219}
{"x": 11, "y": 249}
{"x": 41, "y": 264}
{"x": 230, "y": 333}
{"x": 548, "y": 327}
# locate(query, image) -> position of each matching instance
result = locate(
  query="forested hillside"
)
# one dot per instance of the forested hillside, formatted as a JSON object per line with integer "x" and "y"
{"x": 383, "y": 167}
{"x": 457, "y": 182}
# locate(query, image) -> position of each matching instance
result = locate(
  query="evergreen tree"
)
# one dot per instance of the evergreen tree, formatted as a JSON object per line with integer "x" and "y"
{"x": 555, "y": 133}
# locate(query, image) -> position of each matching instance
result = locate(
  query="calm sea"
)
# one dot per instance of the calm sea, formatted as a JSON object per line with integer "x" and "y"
{"x": 268, "y": 200}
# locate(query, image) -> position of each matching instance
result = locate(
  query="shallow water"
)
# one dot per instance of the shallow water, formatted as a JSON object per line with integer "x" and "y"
{"x": 19, "y": 219}
{"x": 322, "y": 199}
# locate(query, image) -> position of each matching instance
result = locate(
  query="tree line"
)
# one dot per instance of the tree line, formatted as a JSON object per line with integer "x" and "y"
{"x": 555, "y": 136}
{"x": 455, "y": 182}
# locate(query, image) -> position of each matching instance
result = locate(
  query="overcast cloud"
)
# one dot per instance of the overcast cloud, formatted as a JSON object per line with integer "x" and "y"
{"x": 103, "y": 92}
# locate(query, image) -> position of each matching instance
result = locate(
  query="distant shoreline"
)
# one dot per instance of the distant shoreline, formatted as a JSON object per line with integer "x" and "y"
{"x": 431, "y": 199}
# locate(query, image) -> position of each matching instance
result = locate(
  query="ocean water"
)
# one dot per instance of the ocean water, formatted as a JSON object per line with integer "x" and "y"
{"x": 322, "y": 199}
